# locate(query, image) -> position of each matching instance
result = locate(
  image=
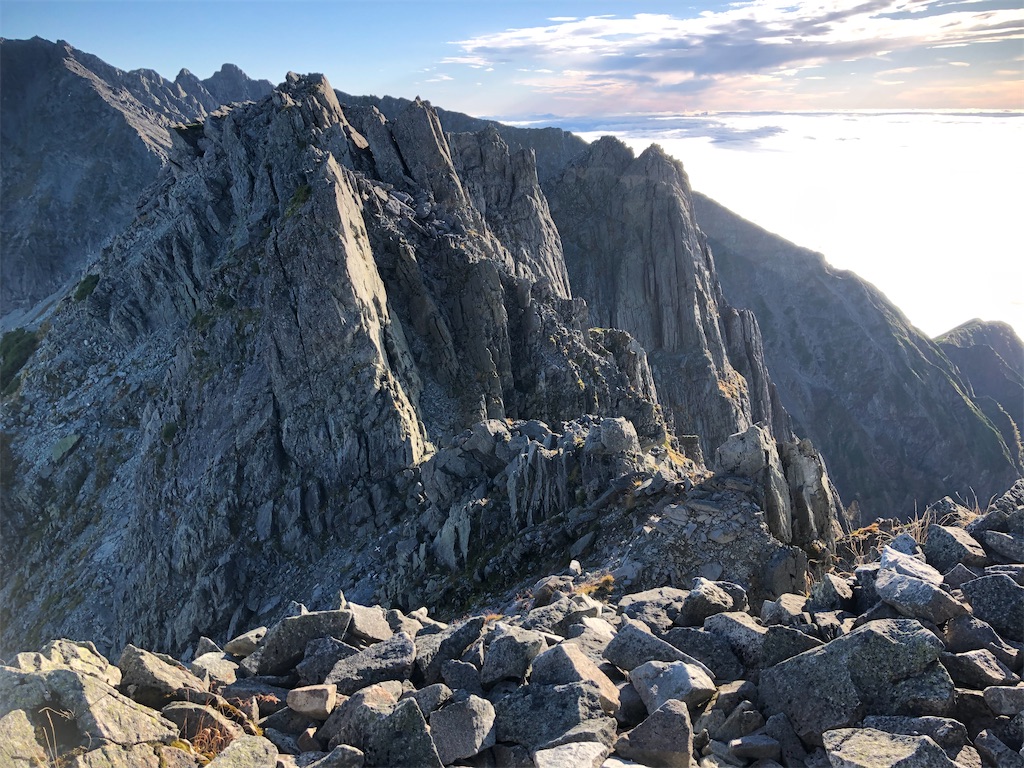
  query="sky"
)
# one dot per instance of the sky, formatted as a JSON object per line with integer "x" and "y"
{"x": 575, "y": 57}
{"x": 922, "y": 200}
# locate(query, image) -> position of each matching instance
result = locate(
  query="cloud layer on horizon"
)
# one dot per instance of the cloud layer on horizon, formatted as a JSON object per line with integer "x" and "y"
{"x": 772, "y": 53}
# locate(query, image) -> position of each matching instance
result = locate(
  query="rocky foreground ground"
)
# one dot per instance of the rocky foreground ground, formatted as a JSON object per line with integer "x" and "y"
{"x": 912, "y": 660}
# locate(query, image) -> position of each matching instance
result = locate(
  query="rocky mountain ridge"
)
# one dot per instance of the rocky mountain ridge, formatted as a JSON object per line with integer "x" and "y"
{"x": 331, "y": 345}
{"x": 888, "y": 406}
{"x": 81, "y": 141}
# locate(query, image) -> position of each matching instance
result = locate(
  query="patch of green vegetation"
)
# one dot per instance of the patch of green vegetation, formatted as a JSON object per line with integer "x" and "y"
{"x": 224, "y": 301}
{"x": 8, "y": 461}
{"x": 201, "y": 321}
{"x": 16, "y": 347}
{"x": 86, "y": 287}
{"x": 299, "y": 199}
{"x": 170, "y": 429}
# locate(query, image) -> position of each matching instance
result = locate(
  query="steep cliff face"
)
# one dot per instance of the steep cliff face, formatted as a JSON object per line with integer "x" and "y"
{"x": 896, "y": 419}
{"x": 274, "y": 350}
{"x": 80, "y": 141}
{"x": 634, "y": 251}
{"x": 990, "y": 357}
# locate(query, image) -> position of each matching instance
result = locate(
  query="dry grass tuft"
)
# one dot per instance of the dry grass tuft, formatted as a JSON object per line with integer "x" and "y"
{"x": 601, "y": 585}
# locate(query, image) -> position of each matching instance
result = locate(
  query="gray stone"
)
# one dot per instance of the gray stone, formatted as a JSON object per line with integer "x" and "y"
{"x": 350, "y": 721}
{"x": 632, "y": 709}
{"x": 659, "y": 681}
{"x": 868, "y": 748}
{"x": 157, "y": 680}
{"x": 577, "y": 754}
{"x": 369, "y": 623}
{"x": 744, "y": 634}
{"x": 949, "y": 734}
{"x": 705, "y": 599}
{"x": 977, "y": 669}
{"x": 314, "y": 701}
{"x": 591, "y": 636}
{"x": 781, "y": 643}
{"x": 401, "y": 738}
{"x": 285, "y": 642}
{"x": 832, "y": 594}
{"x": 246, "y": 643}
{"x": 535, "y": 715}
{"x": 342, "y": 756}
{"x": 461, "y": 675}
{"x": 1004, "y": 547}
{"x": 917, "y": 598}
{"x": 755, "y": 747}
{"x": 992, "y": 748}
{"x": 68, "y": 654}
{"x": 320, "y": 657}
{"x": 462, "y": 728}
{"x": 633, "y": 645}
{"x": 999, "y": 601}
{"x": 430, "y": 698}
{"x": 665, "y": 738}
{"x": 713, "y": 651}
{"x": 948, "y": 546}
{"x": 955, "y": 577}
{"x": 217, "y": 666}
{"x": 657, "y": 608}
{"x": 246, "y": 752}
{"x": 786, "y": 609}
{"x": 1005, "y": 700}
{"x": 884, "y": 667}
{"x": 967, "y": 633}
{"x": 433, "y": 650}
{"x": 509, "y": 654}
{"x": 779, "y": 728}
{"x": 389, "y": 660}
{"x": 18, "y": 745}
{"x": 907, "y": 565}
{"x": 191, "y": 719}
{"x": 567, "y": 664}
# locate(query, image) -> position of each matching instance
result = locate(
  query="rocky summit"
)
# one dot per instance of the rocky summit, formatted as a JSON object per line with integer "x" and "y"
{"x": 912, "y": 660}
{"x": 371, "y": 434}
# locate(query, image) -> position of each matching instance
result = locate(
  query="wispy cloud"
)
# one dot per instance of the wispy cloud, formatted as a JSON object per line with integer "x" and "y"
{"x": 650, "y": 54}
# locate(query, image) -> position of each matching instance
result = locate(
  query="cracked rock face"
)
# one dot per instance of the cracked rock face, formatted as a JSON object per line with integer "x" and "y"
{"x": 281, "y": 341}
{"x": 80, "y": 136}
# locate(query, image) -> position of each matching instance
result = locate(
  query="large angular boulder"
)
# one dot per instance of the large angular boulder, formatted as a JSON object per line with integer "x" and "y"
{"x": 390, "y": 660}
{"x": 663, "y": 739}
{"x": 868, "y": 748}
{"x": 156, "y": 680}
{"x": 917, "y": 598}
{"x": 286, "y": 641}
{"x": 535, "y": 715}
{"x": 463, "y": 728}
{"x": 999, "y": 601}
{"x": 658, "y": 682}
{"x": 888, "y": 666}
{"x": 948, "y": 545}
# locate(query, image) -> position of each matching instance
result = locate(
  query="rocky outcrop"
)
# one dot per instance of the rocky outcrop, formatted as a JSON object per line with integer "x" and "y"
{"x": 899, "y": 423}
{"x": 990, "y": 358}
{"x": 80, "y": 141}
{"x": 634, "y": 251}
{"x": 861, "y": 673}
{"x": 288, "y": 348}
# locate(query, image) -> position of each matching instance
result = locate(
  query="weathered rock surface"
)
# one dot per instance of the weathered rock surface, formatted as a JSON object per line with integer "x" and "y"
{"x": 78, "y": 137}
{"x": 823, "y": 330}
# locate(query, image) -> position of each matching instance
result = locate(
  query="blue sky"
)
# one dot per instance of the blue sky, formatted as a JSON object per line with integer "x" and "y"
{"x": 576, "y": 58}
